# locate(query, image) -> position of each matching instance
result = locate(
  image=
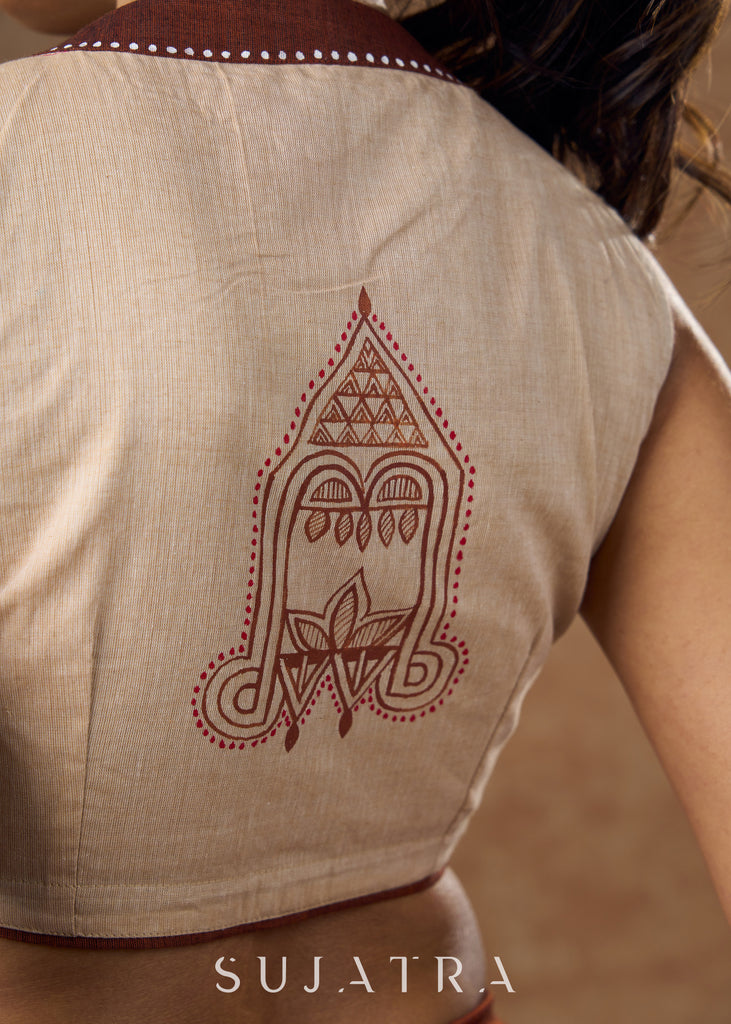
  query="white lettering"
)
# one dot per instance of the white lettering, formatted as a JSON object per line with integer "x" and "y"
{"x": 503, "y": 975}
{"x": 316, "y": 980}
{"x": 227, "y": 974}
{"x": 363, "y": 976}
{"x": 452, "y": 977}
{"x": 263, "y": 974}
{"x": 404, "y": 982}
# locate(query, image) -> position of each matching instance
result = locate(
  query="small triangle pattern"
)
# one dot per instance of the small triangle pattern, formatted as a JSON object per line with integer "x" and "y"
{"x": 368, "y": 409}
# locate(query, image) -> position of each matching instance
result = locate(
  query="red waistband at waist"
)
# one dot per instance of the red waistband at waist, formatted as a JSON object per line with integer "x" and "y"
{"x": 482, "y": 1013}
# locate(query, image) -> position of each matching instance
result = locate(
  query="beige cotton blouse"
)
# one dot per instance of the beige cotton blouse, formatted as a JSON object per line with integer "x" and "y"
{"x": 320, "y": 384}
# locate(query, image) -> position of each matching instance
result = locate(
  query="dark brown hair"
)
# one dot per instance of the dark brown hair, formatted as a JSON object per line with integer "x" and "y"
{"x": 599, "y": 84}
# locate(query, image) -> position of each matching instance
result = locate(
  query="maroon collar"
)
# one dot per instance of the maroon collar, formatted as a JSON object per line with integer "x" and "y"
{"x": 334, "y": 32}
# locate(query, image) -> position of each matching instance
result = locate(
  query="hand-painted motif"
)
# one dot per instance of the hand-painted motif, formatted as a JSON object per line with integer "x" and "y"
{"x": 358, "y": 543}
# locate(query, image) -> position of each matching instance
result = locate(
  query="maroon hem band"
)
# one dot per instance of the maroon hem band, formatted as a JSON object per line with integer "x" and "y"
{"x": 193, "y": 938}
{"x": 333, "y": 32}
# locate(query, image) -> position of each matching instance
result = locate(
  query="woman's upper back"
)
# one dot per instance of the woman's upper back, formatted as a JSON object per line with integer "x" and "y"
{"x": 322, "y": 386}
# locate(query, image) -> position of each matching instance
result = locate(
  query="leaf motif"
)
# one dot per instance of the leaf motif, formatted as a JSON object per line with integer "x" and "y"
{"x": 386, "y": 526}
{"x": 343, "y": 619}
{"x": 346, "y": 720}
{"x": 377, "y": 630}
{"x": 311, "y": 636}
{"x": 318, "y": 523}
{"x": 343, "y": 527}
{"x": 364, "y": 302}
{"x": 408, "y": 524}
{"x": 363, "y": 530}
{"x": 292, "y": 736}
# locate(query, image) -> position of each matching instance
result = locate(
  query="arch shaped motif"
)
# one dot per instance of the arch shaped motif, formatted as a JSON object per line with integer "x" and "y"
{"x": 357, "y": 529}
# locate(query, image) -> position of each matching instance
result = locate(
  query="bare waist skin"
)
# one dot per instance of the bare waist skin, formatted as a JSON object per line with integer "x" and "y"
{"x": 178, "y": 985}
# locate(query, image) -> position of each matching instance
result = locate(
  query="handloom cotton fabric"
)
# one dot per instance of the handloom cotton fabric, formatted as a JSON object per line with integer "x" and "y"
{"x": 321, "y": 384}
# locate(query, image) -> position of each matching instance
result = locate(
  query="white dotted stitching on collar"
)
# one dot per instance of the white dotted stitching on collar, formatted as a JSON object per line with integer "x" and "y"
{"x": 336, "y": 57}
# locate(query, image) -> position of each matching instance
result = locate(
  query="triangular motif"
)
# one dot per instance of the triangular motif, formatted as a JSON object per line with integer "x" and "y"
{"x": 396, "y": 438}
{"x": 361, "y": 430}
{"x": 348, "y": 404}
{"x": 372, "y": 439}
{"x": 406, "y": 419}
{"x": 351, "y": 662}
{"x": 321, "y": 436}
{"x": 365, "y": 359}
{"x": 300, "y": 669}
{"x": 348, "y": 437}
{"x": 398, "y": 406}
{"x": 361, "y": 414}
{"x": 374, "y": 406}
{"x": 386, "y": 415}
{"x": 334, "y": 413}
{"x": 368, "y": 409}
{"x": 373, "y": 387}
{"x": 349, "y": 386}
{"x": 417, "y": 439}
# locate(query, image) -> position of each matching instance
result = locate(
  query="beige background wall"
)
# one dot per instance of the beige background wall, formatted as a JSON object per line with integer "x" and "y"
{"x": 583, "y": 871}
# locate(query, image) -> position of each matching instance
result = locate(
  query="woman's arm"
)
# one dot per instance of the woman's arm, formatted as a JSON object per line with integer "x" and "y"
{"x": 659, "y": 592}
{"x": 60, "y": 16}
